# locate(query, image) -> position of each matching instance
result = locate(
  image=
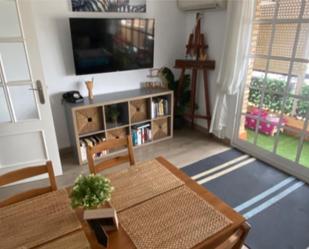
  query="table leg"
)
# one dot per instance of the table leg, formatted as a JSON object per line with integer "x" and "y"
{"x": 245, "y": 230}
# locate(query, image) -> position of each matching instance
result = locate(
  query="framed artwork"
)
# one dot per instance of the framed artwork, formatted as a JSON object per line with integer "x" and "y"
{"x": 109, "y": 5}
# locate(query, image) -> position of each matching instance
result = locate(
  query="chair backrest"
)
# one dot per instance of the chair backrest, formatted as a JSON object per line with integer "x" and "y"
{"x": 25, "y": 173}
{"x": 109, "y": 145}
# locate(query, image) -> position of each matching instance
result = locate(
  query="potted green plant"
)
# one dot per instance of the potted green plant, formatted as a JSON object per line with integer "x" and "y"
{"x": 180, "y": 107}
{"x": 90, "y": 191}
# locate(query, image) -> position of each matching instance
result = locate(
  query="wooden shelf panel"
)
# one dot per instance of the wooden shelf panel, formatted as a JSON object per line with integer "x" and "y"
{"x": 209, "y": 64}
{"x": 91, "y": 134}
{"x": 141, "y": 122}
{"x": 162, "y": 117}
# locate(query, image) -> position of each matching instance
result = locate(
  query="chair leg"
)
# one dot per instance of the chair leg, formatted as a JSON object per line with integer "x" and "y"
{"x": 130, "y": 150}
{"x": 51, "y": 175}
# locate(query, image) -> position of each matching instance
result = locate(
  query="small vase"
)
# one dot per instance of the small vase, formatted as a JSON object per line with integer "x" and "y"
{"x": 89, "y": 85}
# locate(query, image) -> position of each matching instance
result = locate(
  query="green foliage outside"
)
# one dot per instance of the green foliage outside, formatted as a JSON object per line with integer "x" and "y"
{"x": 90, "y": 191}
{"x": 287, "y": 146}
{"x": 274, "y": 102}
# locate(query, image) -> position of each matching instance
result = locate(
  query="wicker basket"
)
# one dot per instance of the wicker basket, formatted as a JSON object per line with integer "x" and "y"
{"x": 160, "y": 128}
{"x": 117, "y": 133}
{"x": 89, "y": 120}
{"x": 139, "y": 110}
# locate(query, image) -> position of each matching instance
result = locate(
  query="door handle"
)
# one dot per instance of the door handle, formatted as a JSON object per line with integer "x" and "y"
{"x": 39, "y": 89}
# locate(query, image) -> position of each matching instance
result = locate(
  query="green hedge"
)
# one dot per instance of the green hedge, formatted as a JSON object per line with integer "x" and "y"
{"x": 273, "y": 102}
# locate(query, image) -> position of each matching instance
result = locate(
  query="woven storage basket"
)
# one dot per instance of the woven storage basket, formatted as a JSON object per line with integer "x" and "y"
{"x": 139, "y": 110}
{"x": 89, "y": 120}
{"x": 117, "y": 133}
{"x": 160, "y": 128}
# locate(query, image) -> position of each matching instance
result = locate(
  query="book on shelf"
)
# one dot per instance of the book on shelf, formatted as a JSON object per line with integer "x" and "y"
{"x": 141, "y": 134}
{"x": 159, "y": 107}
{"x": 92, "y": 141}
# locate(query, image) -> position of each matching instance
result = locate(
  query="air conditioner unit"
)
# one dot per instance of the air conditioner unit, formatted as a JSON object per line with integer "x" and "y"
{"x": 195, "y": 5}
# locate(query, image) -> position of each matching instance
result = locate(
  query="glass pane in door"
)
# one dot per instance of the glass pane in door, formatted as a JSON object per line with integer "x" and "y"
{"x": 267, "y": 133}
{"x": 24, "y": 103}
{"x": 246, "y": 131}
{"x": 263, "y": 38}
{"x": 4, "y": 112}
{"x": 289, "y": 9}
{"x": 14, "y": 61}
{"x": 283, "y": 40}
{"x": 304, "y": 157}
{"x": 9, "y": 23}
{"x": 306, "y": 12}
{"x": 288, "y": 144}
{"x": 300, "y": 81}
{"x": 302, "y": 51}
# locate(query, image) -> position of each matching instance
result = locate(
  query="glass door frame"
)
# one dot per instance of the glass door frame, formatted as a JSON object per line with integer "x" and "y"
{"x": 291, "y": 167}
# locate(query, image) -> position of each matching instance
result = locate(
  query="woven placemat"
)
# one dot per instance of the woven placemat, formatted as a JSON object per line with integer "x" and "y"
{"x": 178, "y": 219}
{"x": 76, "y": 240}
{"x": 36, "y": 221}
{"x": 141, "y": 182}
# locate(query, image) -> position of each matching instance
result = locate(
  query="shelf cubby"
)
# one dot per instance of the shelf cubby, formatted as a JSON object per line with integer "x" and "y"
{"x": 141, "y": 133}
{"x": 161, "y": 128}
{"x": 117, "y": 133}
{"x": 116, "y": 115}
{"x": 160, "y": 106}
{"x": 91, "y": 140}
{"x": 139, "y": 110}
{"x": 89, "y": 120}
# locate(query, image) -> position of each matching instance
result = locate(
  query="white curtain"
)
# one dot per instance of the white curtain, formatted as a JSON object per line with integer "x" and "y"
{"x": 234, "y": 61}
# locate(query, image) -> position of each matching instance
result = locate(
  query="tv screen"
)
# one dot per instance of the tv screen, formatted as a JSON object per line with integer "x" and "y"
{"x": 108, "y": 45}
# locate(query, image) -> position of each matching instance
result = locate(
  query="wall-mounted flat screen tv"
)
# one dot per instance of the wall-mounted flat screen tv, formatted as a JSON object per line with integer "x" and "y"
{"x": 108, "y": 45}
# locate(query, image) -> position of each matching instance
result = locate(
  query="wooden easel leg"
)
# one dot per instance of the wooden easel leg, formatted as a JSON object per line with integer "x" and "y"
{"x": 207, "y": 101}
{"x": 193, "y": 93}
{"x": 180, "y": 87}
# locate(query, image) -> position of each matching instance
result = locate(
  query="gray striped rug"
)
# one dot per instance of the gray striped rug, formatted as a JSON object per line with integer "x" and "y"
{"x": 275, "y": 204}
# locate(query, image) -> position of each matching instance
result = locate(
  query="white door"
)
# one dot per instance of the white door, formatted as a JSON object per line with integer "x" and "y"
{"x": 273, "y": 116}
{"x": 27, "y": 133}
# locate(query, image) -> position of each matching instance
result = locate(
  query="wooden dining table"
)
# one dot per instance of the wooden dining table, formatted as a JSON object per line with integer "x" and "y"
{"x": 231, "y": 236}
{"x": 120, "y": 240}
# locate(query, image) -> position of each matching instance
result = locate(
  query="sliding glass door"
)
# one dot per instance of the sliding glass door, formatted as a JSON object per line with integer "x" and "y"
{"x": 273, "y": 111}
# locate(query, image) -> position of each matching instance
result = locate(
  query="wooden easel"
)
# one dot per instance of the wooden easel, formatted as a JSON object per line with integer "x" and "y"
{"x": 196, "y": 49}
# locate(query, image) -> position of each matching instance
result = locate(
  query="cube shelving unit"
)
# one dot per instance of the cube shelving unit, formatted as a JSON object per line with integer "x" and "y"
{"x": 133, "y": 108}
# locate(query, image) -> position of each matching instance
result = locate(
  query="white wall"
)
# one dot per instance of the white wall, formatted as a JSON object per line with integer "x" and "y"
{"x": 52, "y": 24}
{"x": 213, "y": 26}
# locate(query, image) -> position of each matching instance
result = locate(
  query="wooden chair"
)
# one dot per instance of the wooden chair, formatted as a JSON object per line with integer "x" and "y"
{"x": 25, "y": 173}
{"x": 107, "y": 145}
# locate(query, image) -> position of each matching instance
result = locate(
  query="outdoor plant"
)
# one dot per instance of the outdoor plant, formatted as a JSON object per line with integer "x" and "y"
{"x": 90, "y": 191}
{"x": 273, "y": 101}
{"x": 303, "y": 105}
